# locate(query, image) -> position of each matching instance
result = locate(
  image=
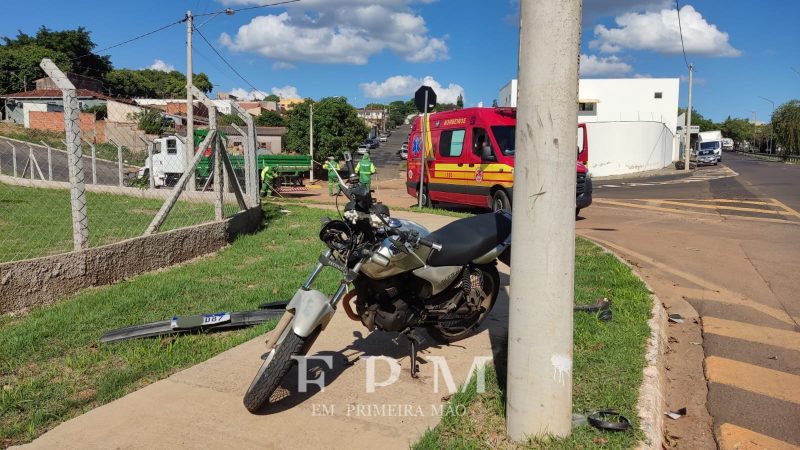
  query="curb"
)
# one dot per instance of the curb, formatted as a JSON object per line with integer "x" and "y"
{"x": 650, "y": 405}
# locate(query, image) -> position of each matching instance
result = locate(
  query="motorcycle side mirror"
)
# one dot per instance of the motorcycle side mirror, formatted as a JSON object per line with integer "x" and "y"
{"x": 394, "y": 223}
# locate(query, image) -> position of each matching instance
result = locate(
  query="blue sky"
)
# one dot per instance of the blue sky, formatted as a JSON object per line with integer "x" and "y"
{"x": 381, "y": 50}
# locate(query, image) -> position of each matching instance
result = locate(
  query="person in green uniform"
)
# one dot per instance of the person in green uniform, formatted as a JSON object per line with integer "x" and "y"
{"x": 365, "y": 169}
{"x": 267, "y": 176}
{"x": 333, "y": 180}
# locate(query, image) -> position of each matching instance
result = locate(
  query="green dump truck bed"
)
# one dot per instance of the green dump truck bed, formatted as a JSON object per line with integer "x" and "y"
{"x": 292, "y": 165}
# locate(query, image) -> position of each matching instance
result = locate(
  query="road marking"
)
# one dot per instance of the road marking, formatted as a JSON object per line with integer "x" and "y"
{"x": 709, "y": 291}
{"x": 732, "y": 208}
{"x": 601, "y": 201}
{"x": 787, "y": 339}
{"x": 786, "y": 208}
{"x": 732, "y": 437}
{"x": 772, "y": 383}
{"x": 727, "y": 200}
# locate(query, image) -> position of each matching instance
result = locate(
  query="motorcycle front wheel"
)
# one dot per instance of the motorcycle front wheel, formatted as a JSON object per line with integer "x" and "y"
{"x": 274, "y": 368}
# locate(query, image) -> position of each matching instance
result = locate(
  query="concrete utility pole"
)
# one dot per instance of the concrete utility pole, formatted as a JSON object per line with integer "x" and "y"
{"x": 311, "y": 140}
{"x": 539, "y": 399}
{"x": 189, "y": 99}
{"x": 755, "y": 126}
{"x": 688, "y": 135}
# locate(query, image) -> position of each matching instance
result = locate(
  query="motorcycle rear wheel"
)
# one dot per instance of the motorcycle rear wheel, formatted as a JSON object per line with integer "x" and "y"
{"x": 491, "y": 286}
{"x": 274, "y": 368}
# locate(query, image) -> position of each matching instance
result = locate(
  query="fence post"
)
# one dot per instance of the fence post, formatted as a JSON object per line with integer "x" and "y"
{"x": 49, "y": 160}
{"x": 119, "y": 162}
{"x": 212, "y": 128}
{"x": 13, "y": 159}
{"x": 80, "y": 221}
{"x": 35, "y": 163}
{"x": 30, "y": 161}
{"x": 250, "y": 159}
{"x": 94, "y": 162}
{"x": 179, "y": 187}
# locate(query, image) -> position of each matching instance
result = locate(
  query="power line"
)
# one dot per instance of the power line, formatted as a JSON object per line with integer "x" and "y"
{"x": 680, "y": 30}
{"x": 230, "y": 11}
{"x": 230, "y": 66}
{"x": 132, "y": 39}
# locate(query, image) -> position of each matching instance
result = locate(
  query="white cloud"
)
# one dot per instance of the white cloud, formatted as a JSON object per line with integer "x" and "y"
{"x": 659, "y": 32}
{"x": 406, "y": 85}
{"x": 282, "y": 65}
{"x": 161, "y": 66}
{"x": 347, "y": 31}
{"x": 596, "y": 9}
{"x": 593, "y": 65}
{"x": 286, "y": 92}
{"x": 244, "y": 94}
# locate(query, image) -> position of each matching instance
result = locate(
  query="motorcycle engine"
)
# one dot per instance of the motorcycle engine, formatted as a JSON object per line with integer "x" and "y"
{"x": 383, "y": 306}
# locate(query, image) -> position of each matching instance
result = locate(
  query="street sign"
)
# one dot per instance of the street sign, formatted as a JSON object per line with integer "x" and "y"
{"x": 419, "y": 98}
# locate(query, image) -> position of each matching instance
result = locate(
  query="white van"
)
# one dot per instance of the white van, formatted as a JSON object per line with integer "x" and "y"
{"x": 710, "y": 140}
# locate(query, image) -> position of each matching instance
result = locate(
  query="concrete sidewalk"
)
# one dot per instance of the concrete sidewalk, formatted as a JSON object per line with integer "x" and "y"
{"x": 202, "y": 406}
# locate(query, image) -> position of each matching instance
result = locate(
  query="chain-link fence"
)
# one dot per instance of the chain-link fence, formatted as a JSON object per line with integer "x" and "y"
{"x": 80, "y": 170}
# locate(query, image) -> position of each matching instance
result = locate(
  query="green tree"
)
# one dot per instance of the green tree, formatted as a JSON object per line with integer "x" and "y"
{"x": 699, "y": 120}
{"x": 272, "y": 98}
{"x": 460, "y": 101}
{"x": 336, "y": 127}
{"x": 399, "y": 110}
{"x": 269, "y": 119}
{"x": 19, "y": 65}
{"x": 152, "y": 83}
{"x": 444, "y": 107}
{"x": 151, "y": 121}
{"x": 738, "y": 129}
{"x": 76, "y": 45}
{"x": 375, "y": 106}
{"x": 786, "y": 124}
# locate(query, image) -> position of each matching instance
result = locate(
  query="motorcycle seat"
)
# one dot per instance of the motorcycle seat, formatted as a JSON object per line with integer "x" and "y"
{"x": 467, "y": 239}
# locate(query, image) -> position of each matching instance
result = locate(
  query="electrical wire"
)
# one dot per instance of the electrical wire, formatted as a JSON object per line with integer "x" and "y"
{"x": 246, "y": 8}
{"x": 98, "y": 52}
{"x": 680, "y": 30}
{"x": 230, "y": 66}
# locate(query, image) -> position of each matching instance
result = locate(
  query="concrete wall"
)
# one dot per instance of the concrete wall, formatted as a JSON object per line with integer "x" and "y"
{"x": 617, "y": 148}
{"x": 34, "y": 282}
{"x": 632, "y": 99}
{"x": 122, "y": 112}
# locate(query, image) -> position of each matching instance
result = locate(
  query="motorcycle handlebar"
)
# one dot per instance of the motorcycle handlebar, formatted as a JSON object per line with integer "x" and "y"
{"x": 429, "y": 243}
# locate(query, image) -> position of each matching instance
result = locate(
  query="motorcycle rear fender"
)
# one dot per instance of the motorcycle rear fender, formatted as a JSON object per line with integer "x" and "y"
{"x": 492, "y": 254}
{"x": 311, "y": 310}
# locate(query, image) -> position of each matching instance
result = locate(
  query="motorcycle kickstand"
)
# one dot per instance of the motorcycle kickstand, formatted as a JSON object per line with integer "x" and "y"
{"x": 415, "y": 341}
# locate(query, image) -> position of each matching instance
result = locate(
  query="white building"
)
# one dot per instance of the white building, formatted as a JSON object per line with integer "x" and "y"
{"x": 631, "y": 122}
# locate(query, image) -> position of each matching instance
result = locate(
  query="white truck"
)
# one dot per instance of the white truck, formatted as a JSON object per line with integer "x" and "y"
{"x": 169, "y": 161}
{"x": 710, "y": 140}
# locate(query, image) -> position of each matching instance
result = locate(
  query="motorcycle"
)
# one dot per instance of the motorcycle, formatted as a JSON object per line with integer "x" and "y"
{"x": 403, "y": 278}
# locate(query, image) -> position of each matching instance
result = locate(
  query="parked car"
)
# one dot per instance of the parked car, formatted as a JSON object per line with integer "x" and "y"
{"x": 404, "y": 153}
{"x": 382, "y": 138}
{"x": 372, "y": 143}
{"x": 363, "y": 148}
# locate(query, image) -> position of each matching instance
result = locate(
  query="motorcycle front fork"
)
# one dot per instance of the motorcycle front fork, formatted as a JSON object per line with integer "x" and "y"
{"x": 288, "y": 316}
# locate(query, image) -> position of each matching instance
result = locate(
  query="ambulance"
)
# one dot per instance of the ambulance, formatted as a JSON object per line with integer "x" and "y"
{"x": 471, "y": 159}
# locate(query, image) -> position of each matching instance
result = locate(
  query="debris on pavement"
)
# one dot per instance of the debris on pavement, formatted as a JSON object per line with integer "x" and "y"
{"x": 676, "y": 318}
{"x": 601, "y": 306}
{"x": 675, "y": 415}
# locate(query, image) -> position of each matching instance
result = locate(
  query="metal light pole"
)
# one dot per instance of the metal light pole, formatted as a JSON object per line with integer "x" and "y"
{"x": 769, "y": 139}
{"x": 189, "y": 147}
{"x": 539, "y": 383}
{"x": 688, "y": 134}
{"x": 755, "y": 127}
{"x": 423, "y": 156}
{"x": 311, "y": 140}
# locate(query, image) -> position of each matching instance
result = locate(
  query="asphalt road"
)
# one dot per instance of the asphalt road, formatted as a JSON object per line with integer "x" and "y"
{"x": 107, "y": 172}
{"x": 386, "y": 159}
{"x": 723, "y": 247}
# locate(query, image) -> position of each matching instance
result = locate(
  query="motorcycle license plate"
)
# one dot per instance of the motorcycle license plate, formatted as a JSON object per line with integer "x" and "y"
{"x": 201, "y": 320}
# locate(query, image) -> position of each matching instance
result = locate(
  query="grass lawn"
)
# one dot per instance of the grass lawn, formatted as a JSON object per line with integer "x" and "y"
{"x": 52, "y": 367}
{"x": 37, "y": 222}
{"x": 608, "y": 363}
